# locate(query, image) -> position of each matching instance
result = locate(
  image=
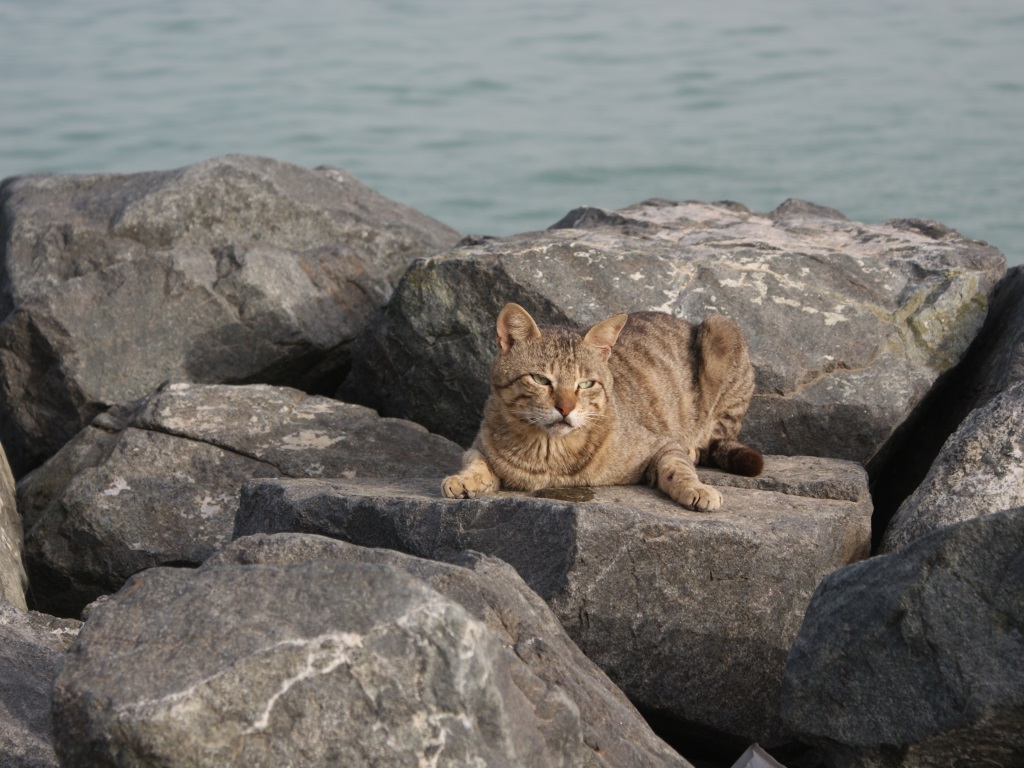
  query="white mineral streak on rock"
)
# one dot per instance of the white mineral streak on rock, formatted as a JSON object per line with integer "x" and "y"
{"x": 310, "y": 407}
{"x": 115, "y": 489}
{"x": 64, "y": 631}
{"x": 670, "y": 301}
{"x": 786, "y": 302}
{"x": 434, "y": 728}
{"x": 436, "y": 615}
{"x": 591, "y": 257}
{"x": 175, "y": 424}
{"x": 325, "y": 653}
{"x": 211, "y": 506}
{"x": 308, "y": 440}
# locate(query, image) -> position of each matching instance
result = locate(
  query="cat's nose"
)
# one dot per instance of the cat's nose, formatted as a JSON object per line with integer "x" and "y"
{"x": 564, "y": 402}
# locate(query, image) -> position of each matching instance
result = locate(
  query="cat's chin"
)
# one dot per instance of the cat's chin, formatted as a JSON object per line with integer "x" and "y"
{"x": 559, "y": 429}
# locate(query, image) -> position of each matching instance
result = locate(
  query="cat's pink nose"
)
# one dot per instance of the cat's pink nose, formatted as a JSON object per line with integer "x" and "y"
{"x": 565, "y": 410}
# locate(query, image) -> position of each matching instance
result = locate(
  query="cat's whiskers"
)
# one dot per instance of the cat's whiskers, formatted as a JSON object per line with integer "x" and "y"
{"x": 534, "y": 417}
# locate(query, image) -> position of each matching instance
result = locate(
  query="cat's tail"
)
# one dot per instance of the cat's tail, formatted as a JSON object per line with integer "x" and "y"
{"x": 736, "y": 457}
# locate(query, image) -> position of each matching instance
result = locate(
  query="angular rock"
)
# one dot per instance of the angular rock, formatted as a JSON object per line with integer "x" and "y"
{"x": 32, "y": 648}
{"x": 494, "y": 594}
{"x": 848, "y": 324}
{"x": 319, "y": 663}
{"x": 979, "y": 471}
{"x": 12, "y": 569}
{"x": 917, "y": 658}
{"x": 237, "y": 269}
{"x": 993, "y": 362}
{"x": 1001, "y": 345}
{"x": 159, "y": 485}
{"x": 691, "y": 614}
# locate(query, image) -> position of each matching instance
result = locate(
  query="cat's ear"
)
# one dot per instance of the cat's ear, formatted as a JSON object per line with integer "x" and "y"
{"x": 604, "y": 335}
{"x": 515, "y": 324}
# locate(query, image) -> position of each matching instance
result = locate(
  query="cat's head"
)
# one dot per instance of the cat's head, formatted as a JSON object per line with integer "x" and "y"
{"x": 551, "y": 378}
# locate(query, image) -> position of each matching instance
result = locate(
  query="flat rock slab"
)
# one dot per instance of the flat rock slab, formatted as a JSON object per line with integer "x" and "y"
{"x": 237, "y": 269}
{"x": 848, "y": 324}
{"x": 916, "y": 658}
{"x": 691, "y": 614}
{"x": 320, "y": 663}
{"x": 159, "y": 484}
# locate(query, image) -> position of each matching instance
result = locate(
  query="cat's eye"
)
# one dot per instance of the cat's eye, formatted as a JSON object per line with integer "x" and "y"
{"x": 544, "y": 380}
{"x": 586, "y": 384}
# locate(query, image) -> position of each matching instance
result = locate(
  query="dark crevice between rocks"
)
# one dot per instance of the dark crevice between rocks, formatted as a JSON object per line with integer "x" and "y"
{"x": 53, "y": 593}
{"x": 706, "y": 747}
{"x": 903, "y": 462}
{"x": 316, "y": 373}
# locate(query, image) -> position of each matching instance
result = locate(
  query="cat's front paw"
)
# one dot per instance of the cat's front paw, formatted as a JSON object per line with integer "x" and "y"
{"x": 465, "y": 487}
{"x": 699, "y": 498}
{"x": 475, "y": 479}
{"x": 455, "y": 488}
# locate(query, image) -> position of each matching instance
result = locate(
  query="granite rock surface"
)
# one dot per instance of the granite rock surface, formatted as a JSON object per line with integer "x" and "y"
{"x": 237, "y": 269}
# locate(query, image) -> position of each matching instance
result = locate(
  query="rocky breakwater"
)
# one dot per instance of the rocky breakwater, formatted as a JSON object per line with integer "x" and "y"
{"x": 848, "y": 324}
{"x": 917, "y": 658}
{"x": 158, "y": 483}
{"x": 238, "y": 269}
{"x": 691, "y": 614}
{"x": 914, "y": 658}
{"x": 299, "y": 650}
{"x": 191, "y": 514}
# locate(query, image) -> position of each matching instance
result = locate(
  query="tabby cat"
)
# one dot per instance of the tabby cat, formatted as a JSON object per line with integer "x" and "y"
{"x": 639, "y": 397}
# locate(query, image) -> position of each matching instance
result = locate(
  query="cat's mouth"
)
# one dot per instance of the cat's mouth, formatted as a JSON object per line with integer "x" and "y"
{"x": 555, "y": 424}
{"x": 560, "y": 426}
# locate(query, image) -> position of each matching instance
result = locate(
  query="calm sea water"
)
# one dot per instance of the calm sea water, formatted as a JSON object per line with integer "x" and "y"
{"x": 498, "y": 117}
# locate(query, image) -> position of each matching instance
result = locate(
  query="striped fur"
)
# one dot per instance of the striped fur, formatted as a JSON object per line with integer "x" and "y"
{"x": 635, "y": 398}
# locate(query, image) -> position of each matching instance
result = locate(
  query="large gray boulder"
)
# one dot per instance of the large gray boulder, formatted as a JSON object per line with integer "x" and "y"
{"x": 321, "y": 663}
{"x": 979, "y": 471}
{"x": 691, "y": 614}
{"x": 12, "y": 568}
{"x": 236, "y": 269}
{"x": 494, "y": 594}
{"x": 849, "y": 324}
{"x": 32, "y": 648}
{"x": 917, "y": 658}
{"x": 159, "y": 484}
{"x": 993, "y": 362}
